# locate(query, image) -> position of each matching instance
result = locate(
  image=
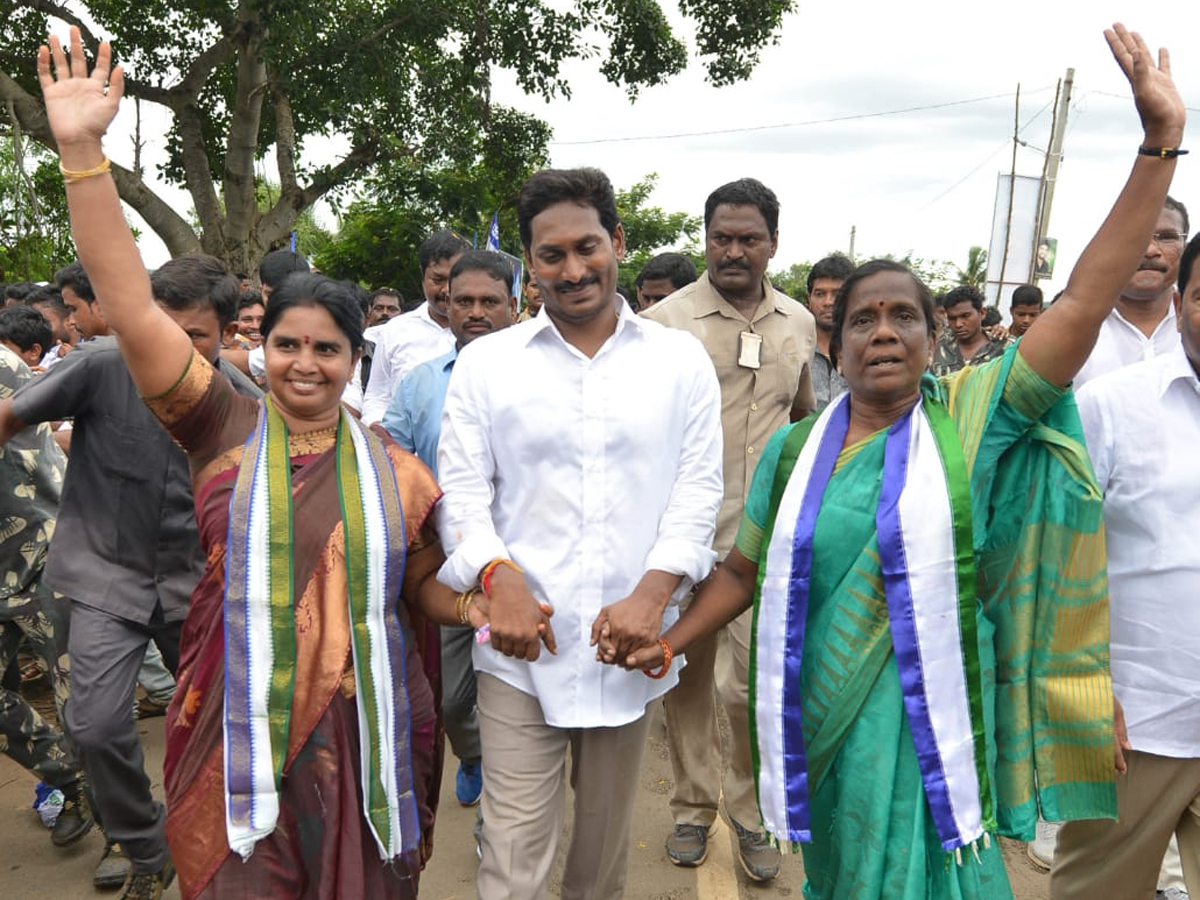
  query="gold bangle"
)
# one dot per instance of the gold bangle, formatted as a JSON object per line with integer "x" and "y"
{"x": 462, "y": 606}
{"x": 70, "y": 176}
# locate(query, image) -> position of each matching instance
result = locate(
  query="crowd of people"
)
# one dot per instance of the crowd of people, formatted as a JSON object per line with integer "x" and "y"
{"x": 940, "y": 596}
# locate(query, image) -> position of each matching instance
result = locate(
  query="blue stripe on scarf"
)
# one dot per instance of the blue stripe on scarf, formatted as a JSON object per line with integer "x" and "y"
{"x": 795, "y": 758}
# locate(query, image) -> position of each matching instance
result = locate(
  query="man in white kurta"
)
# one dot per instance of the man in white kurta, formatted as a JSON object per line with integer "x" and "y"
{"x": 602, "y": 483}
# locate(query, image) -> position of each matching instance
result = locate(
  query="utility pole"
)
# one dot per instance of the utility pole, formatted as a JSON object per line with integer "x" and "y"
{"x": 1053, "y": 157}
{"x": 853, "y": 232}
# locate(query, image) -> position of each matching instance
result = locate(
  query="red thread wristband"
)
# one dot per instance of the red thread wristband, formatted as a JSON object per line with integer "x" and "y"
{"x": 666, "y": 666}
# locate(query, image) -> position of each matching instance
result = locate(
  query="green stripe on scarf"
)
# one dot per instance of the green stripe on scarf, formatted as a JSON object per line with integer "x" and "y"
{"x": 283, "y": 617}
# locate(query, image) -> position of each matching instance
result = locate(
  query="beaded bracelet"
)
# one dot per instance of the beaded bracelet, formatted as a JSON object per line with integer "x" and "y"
{"x": 667, "y": 654}
{"x": 485, "y": 578}
{"x": 70, "y": 176}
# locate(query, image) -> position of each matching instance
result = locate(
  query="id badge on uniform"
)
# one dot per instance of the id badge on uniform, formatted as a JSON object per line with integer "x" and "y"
{"x": 750, "y": 350}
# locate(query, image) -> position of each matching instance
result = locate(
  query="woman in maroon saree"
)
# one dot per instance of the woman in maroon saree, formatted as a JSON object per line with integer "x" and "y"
{"x": 326, "y": 598}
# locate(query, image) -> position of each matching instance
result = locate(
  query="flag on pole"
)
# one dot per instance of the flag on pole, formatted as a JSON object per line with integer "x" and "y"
{"x": 493, "y": 239}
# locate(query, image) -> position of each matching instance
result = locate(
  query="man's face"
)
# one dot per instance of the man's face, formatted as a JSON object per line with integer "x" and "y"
{"x": 435, "y": 282}
{"x": 1159, "y": 268}
{"x": 965, "y": 320}
{"x": 1043, "y": 251}
{"x": 383, "y": 307}
{"x": 86, "y": 318}
{"x": 249, "y": 322}
{"x": 59, "y": 323}
{"x": 202, "y": 326}
{"x": 1187, "y": 312}
{"x": 533, "y": 297}
{"x": 738, "y": 247}
{"x": 820, "y": 301}
{"x": 1023, "y": 316}
{"x": 574, "y": 261}
{"x": 479, "y": 305}
{"x": 652, "y": 290}
{"x": 31, "y": 357}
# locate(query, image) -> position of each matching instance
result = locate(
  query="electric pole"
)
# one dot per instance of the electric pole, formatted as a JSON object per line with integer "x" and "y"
{"x": 1053, "y": 158}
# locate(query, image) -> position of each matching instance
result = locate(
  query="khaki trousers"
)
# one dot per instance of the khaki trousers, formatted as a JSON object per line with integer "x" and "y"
{"x": 1157, "y": 797}
{"x": 524, "y": 782}
{"x": 690, "y": 709}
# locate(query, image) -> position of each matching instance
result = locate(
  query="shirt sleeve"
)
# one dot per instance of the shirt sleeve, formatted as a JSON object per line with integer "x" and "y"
{"x": 754, "y": 518}
{"x": 687, "y": 527}
{"x": 467, "y": 469}
{"x": 256, "y": 362}
{"x": 805, "y": 400}
{"x": 378, "y": 392}
{"x": 1097, "y": 431}
{"x": 397, "y": 421}
{"x": 61, "y": 393}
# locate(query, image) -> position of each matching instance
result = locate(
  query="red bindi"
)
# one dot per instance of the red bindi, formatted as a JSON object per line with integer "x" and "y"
{"x": 307, "y": 339}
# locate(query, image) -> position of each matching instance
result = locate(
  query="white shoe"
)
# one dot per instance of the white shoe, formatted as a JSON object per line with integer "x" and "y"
{"x": 1041, "y": 848}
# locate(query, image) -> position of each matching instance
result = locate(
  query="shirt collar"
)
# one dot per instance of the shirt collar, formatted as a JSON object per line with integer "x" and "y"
{"x": 626, "y": 318}
{"x": 1177, "y": 367}
{"x": 709, "y": 301}
{"x": 1168, "y": 321}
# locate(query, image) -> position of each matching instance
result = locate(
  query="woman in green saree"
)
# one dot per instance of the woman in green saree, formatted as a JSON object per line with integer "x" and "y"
{"x": 929, "y": 664}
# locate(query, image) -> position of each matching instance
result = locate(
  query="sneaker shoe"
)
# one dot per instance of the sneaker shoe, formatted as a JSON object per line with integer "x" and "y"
{"x": 113, "y": 868}
{"x": 1171, "y": 894}
{"x": 469, "y": 783}
{"x": 149, "y": 709}
{"x": 687, "y": 845}
{"x": 758, "y": 856}
{"x": 1041, "y": 849}
{"x": 74, "y": 821}
{"x": 148, "y": 885}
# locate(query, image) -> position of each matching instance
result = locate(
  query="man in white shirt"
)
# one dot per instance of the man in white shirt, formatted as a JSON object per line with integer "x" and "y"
{"x": 1143, "y": 427}
{"x": 1142, "y": 325}
{"x": 404, "y": 342}
{"x": 605, "y": 493}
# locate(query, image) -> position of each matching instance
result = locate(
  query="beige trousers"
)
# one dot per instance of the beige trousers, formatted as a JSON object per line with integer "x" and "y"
{"x": 691, "y": 716}
{"x": 1157, "y": 797}
{"x": 524, "y": 783}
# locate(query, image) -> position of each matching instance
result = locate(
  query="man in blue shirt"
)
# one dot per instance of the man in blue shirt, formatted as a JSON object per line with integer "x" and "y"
{"x": 481, "y": 302}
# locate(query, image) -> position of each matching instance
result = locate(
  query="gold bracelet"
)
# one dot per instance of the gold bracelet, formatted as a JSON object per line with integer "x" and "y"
{"x": 70, "y": 176}
{"x": 462, "y": 606}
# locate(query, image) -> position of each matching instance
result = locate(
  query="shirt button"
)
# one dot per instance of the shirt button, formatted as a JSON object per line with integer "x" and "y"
{"x": 749, "y": 449}
{"x": 754, "y": 407}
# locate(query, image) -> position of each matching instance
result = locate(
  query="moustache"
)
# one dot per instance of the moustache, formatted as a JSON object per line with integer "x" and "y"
{"x": 735, "y": 265}
{"x": 1152, "y": 267}
{"x": 576, "y": 285}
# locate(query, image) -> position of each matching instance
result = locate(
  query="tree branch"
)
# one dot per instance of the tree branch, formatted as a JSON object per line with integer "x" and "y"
{"x": 241, "y": 206}
{"x": 198, "y": 176}
{"x": 285, "y": 138}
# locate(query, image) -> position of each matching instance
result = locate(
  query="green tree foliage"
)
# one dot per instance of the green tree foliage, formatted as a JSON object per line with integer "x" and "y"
{"x": 396, "y": 82}
{"x": 649, "y": 231}
{"x": 793, "y": 280}
{"x": 35, "y": 230}
{"x": 975, "y": 274}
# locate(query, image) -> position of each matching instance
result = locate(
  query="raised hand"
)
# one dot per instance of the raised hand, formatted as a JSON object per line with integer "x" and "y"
{"x": 79, "y": 106}
{"x": 1158, "y": 103}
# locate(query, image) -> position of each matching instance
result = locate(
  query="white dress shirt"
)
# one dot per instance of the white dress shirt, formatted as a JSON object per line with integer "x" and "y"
{"x": 1143, "y": 429}
{"x": 1121, "y": 343}
{"x": 401, "y": 344}
{"x": 603, "y": 469}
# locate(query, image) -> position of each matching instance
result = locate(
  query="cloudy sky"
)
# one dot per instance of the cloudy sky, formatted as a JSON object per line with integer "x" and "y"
{"x": 924, "y": 180}
{"x": 921, "y": 180}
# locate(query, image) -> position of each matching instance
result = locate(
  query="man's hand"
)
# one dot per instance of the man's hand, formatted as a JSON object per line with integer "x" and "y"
{"x": 631, "y": 623}
{"x": 79, "y": 106}
{"x": 1120, "y": 737}
{"x": 518, "y": 624}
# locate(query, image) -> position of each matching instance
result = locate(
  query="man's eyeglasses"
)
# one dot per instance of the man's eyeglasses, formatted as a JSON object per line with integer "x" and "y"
{"x": 1166, "y": 237}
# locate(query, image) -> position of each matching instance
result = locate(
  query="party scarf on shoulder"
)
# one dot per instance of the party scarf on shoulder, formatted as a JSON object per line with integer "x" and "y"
{"x": 928, "y": 564}
{"x": 260, "y": 636}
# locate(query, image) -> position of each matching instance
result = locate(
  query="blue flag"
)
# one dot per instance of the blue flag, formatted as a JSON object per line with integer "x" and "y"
{"x": 493, "y": 240}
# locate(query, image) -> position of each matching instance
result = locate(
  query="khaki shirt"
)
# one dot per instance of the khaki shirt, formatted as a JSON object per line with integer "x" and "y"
{"x": 755, "y": 403}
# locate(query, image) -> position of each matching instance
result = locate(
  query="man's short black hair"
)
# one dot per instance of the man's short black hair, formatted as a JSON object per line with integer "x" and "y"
{"x": 278, "y": 265}
{"x": 250, "y": 297}
{"x": 48, "y": 295}
{"x": 585, "y": 187}
{"x": 964, "y": 293}
{"x": 19, "y": 290}
{"x": 25, "y": 326}
{"x": 444, "y": 244}
{"x": 1172, "y": 203}
{"x": 1027, "y": 295}
{"x": 72, "y": 276}
{"x": 675, "y": 267}
{"x": 836, "y": 268}
{"x": 1187, "y": 261}
{"x": 991, "y": 316}
{"x": 745, "y": 192}
{"x": 490, "y": 263}
{"x": 197, "y": 281}
{"x": 387, "y": 292}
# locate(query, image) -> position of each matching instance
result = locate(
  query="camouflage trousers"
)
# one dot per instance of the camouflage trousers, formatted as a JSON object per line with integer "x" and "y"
{"x": 41, "y": 617}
